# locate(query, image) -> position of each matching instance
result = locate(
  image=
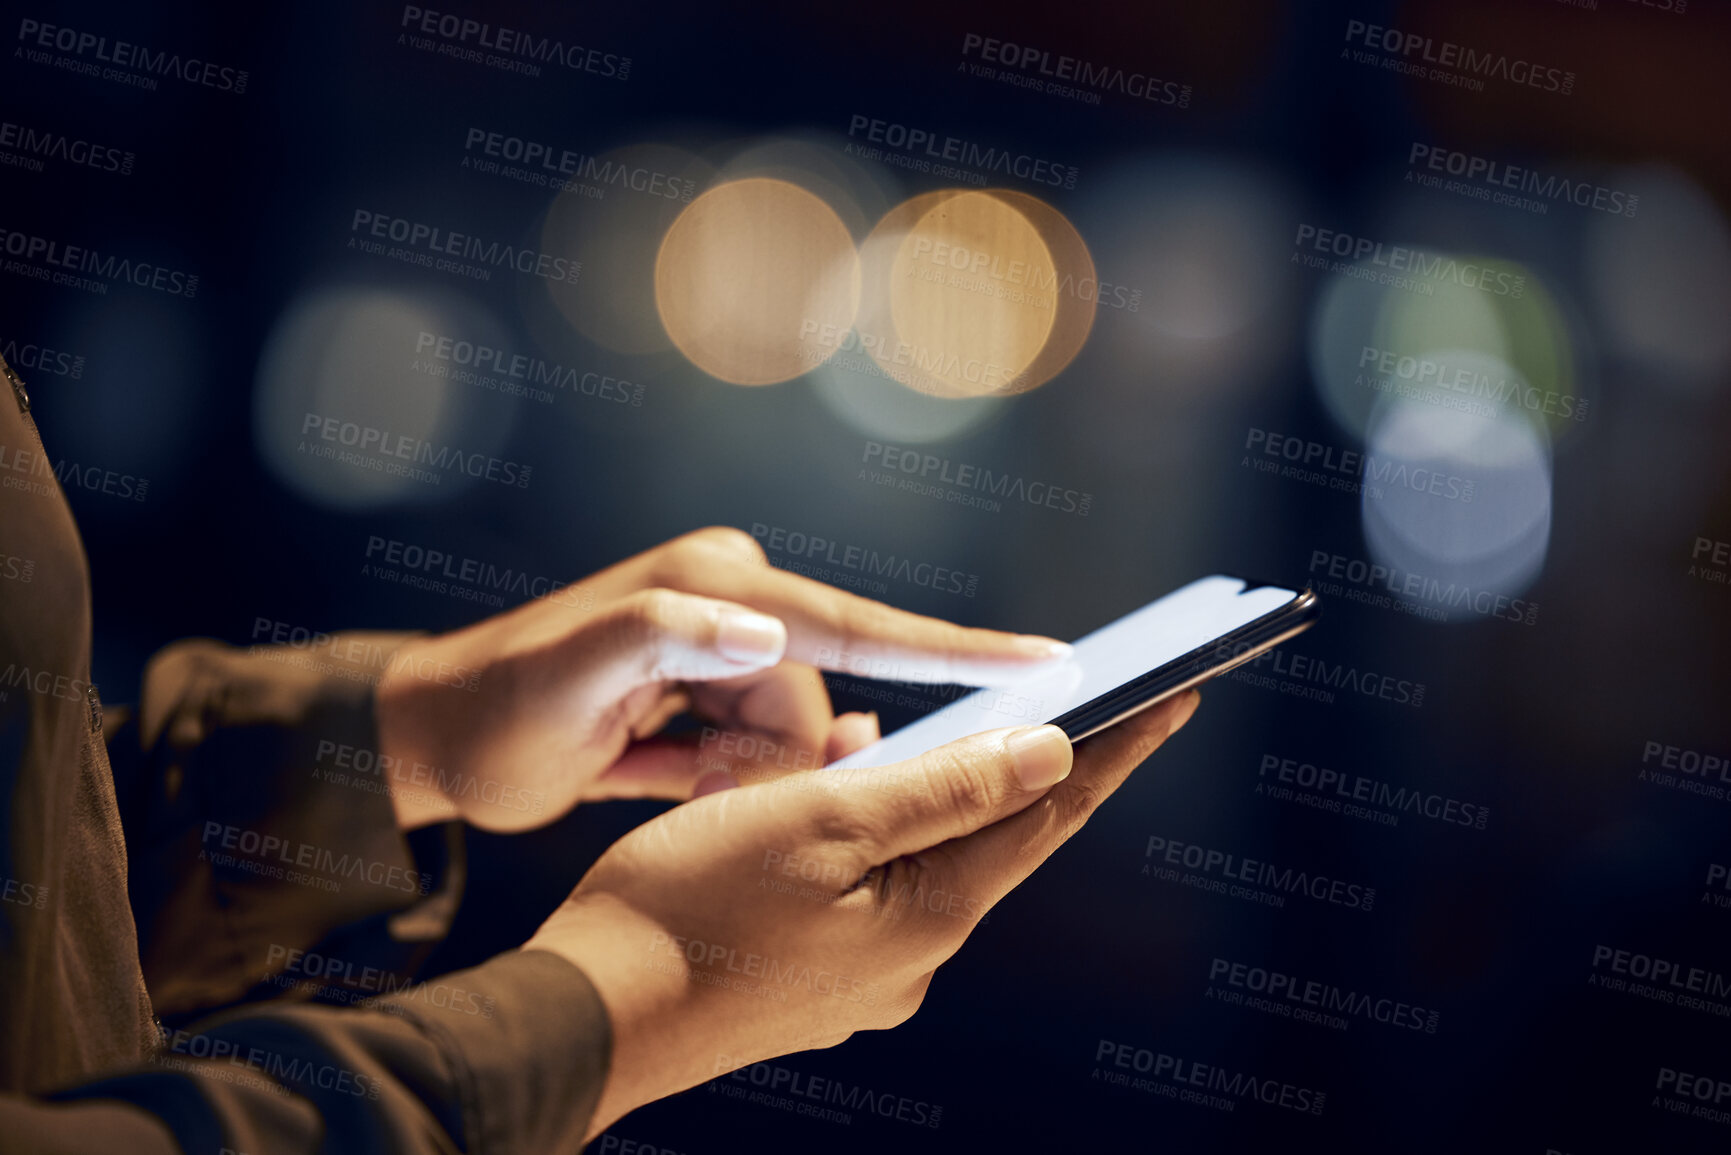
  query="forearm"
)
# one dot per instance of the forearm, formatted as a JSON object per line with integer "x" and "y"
{"x": 514, "y": 1063}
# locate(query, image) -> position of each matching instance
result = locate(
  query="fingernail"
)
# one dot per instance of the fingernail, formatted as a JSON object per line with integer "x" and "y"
{"x": 747, "y": 637}
{"x": 1042, "y": 755}
{"x": 1037, "y": 647}
{"x": 877, "y": 725}
{"x": 1186, "y": 709}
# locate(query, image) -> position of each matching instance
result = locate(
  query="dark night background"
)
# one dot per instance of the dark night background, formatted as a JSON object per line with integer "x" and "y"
{"x": 1544, "y": 724}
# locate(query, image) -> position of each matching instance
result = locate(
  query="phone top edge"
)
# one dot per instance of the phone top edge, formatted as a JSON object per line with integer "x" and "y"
{"x": 1295, "y": 612}
{"x": 1204, "y": 662}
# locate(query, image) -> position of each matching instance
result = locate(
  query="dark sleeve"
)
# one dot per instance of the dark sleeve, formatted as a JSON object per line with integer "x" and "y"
{"x": 263, "y": 849}
{"x": 507, "y": 1057}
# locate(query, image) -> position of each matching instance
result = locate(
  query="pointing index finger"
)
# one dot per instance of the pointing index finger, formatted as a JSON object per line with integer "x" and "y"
{"x": 836, "y": 630}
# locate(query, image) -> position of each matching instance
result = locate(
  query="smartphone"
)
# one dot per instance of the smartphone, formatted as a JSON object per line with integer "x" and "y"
{"x": 1192, "y": 634}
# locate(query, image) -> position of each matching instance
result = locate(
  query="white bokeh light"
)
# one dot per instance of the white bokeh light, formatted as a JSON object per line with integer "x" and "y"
{"x": 1456, "y": 505}
{"x": 361, "y": 357}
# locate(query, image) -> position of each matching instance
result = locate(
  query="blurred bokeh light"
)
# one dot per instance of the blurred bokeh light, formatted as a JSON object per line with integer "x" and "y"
{"x": 1662, "y": 280}
{"x": 1448, "y": 341}
{"x": 747, "y": 270}
{"x": 1489, "y": 541}
{"x": 975, "y": 293}
{"x": 1193, "y": 253}
{"x": 366, "y": 358}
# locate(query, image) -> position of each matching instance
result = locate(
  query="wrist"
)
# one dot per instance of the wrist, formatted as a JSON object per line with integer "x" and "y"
{"x": 405, "y": 724}
{"x": 656, "y": 1049}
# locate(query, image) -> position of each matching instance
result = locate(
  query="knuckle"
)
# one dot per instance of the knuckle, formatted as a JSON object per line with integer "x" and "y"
{"x": 716, "y": 546}
{"x": 653, "y": 611}
{"x": 1077, "y": 802}
{"x": 900, "y": 1009}
{"x": 641, "y": 625}
{"x": 678, "y": 557}
{"x": 968, "y": 787}
{"x": 737, "y": 541}
{"x": 188, "y": 659}
{"x": 919, "y": 901}
{"x": 966, "y": 784}
{"x": 725, "y": 541}
{"x": 837, "y": 824}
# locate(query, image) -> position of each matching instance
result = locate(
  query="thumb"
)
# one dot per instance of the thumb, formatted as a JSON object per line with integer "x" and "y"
{"x": 656, "y": 636}
{"x": 949, "y": 792}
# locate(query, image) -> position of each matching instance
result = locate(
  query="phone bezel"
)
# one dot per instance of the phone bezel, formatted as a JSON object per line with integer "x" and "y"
{"x": 1215, "y": 657}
